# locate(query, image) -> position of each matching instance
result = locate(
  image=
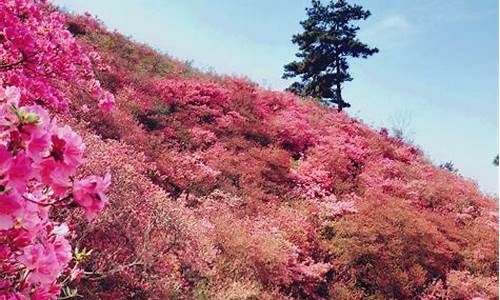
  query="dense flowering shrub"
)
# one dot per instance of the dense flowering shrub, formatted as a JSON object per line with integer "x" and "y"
{"x": 192, "y": 91}
{"x": 39, "y": 157}
{"x": 224, "y": 190}
{"x": 186, "y": 173}
{"x": 463, "y": 285}
{"x": 38, "y": 55}
{"x": 294, "y": 133}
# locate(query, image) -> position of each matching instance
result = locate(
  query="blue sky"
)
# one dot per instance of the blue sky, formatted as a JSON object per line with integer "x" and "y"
{"x": 436, "y": 74}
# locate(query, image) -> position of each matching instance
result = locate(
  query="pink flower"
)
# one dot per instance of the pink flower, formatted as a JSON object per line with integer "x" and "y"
{"x": 107, "y": 101}
{"x": 89, "y": 193}
{"x": 95, "y": 88}
{"x": 53, "y": 174}
{"x": 67, "y": 148}
{"x": 46, "y": 293}
{"x": 10, "y": 203}
{"x": 5, "y": 159}
{"x": 85, "y": 108}
{"x": 20, "y": 172}
{"x": 42, "y": 262}
{"x": 6, "y": 222}
{"x": 38, "y": 141}
{"x": 38, "y": 145}
{"x": 62, "y": 247}
{"x": 11, "y": 95}
{"x": 66, "y": 154}
{"x": 32, "y": 216}
{"x": 342, "y": 208}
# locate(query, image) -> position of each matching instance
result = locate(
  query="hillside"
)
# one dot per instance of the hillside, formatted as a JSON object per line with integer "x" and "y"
{"x": 221, "y": 189}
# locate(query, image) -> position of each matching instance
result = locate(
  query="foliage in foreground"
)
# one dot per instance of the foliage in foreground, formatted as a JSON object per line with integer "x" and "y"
{"x": 39, "y": 157}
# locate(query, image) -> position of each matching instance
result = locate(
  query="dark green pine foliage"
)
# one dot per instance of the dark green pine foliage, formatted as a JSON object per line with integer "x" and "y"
{"x": 329, "y": 38}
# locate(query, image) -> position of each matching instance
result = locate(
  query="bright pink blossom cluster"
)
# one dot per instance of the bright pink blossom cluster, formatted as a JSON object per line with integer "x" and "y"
{"x": 39, "y": 158}
{"x": 192, "y": 91}
{"x": 38, "y": 161}
{"x": 38, "y": 55}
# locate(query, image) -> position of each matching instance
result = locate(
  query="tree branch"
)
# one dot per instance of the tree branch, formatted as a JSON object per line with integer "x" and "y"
{"x": 24, "y": 58}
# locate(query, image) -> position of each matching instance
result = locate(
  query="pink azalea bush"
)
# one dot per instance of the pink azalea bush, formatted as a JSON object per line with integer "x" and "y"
{"x": 238, "y": 190}
{"x": 220, "y": 189}
{"x": 38, "y": 54}
{"x": 39, "y": 157}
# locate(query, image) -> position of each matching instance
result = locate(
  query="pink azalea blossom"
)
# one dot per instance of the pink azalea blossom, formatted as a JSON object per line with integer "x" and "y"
{"x": 107, "y": 102}
{"x": 53, "y": 174}
{"x": 95, "y": 88}
{"x": 11, "y": 95}
{"x": 20, "y": 172}
{"x": 89, "y": 193}
{"x": 38, "y": 142}
{"x": 31, "y": 216}
{"x": 42, "y": 262}
{"x": 38, "y": 145}
{"x": 46, "y": 293}
{"x": 342, "y": 208}
{"x": 62, "y": 247}
{"x": 9, "y": 202}
{"x": 5, "y": 159}
{"x": 6, "y": 222}
{"x": 67, "y": 148}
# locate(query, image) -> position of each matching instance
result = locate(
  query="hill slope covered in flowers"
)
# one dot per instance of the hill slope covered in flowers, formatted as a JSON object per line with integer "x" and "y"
{"x": 221, "y": 189}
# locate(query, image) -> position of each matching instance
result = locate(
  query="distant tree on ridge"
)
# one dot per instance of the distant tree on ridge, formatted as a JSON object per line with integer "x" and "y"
{"x": 450, "y": 166}
{"x": 328, "y": 39}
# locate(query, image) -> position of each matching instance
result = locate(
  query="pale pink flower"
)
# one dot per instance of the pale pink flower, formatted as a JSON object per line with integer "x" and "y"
{"x": 11, "y": 95}
{"x": 85, "y": 108}
{"x": 342, "y": 208}
{"x": 62, "y": 249}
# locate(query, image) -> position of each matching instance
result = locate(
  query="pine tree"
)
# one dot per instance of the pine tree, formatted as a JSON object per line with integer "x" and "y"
{"x": 329, "y": 38}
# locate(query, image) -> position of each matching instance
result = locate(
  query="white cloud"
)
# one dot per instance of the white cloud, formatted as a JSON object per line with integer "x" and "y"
{"x": 388, "y": 32}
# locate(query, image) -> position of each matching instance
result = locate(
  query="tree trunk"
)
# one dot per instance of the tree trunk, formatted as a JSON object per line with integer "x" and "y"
{"x": 338, "y": 92}
{"x": 340, "y": 101}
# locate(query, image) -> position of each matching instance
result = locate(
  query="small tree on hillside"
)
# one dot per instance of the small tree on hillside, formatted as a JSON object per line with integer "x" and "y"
{"x": 450, "y": 166}
{"x": 329, "y": 38}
